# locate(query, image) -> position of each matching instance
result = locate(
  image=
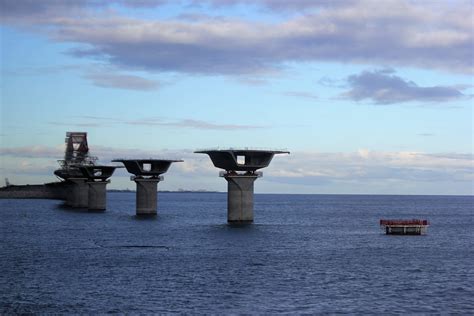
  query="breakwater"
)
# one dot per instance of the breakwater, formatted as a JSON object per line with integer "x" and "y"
{"x": 54, "y": 190}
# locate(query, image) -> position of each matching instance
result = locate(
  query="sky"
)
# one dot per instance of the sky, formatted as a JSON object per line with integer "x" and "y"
{"x": 370, "y": 97}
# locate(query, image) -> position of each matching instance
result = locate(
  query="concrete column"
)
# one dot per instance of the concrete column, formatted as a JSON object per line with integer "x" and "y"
{"x": 147, "y": 195}
{"x": 240, "y": 197}
{"x": 97, "y": 195}
{"x": 78, "y": 195}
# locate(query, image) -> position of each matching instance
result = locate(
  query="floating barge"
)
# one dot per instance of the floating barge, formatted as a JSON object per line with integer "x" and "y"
{"x": 404, "y": 226}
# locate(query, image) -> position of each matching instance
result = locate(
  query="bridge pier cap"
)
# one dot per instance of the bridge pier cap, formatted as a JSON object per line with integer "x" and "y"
{"x": 147, "y": 173}
{"x": 97, "y": 179}
{"x": 97, "y": 173}
{"x": 147, "y": 168}
{"x": 240, "y": 167}
{"x": 243, "y": 160}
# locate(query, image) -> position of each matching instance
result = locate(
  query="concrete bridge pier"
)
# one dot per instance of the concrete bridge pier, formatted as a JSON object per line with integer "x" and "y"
{"x": 97, "y": 176}
{"x": 78, "y": 195}
{"x": 240, "y": 188}
{"x": 147, "y": 195}
{"x": 97, "y": 195}
{"x": 240, "y": 167}
{"x": 146, "y": 174}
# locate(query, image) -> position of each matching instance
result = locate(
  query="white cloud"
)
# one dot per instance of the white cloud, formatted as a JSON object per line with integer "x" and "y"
{"x": 33, "y": 151}
{"x": 122, "y": 81}
{"x": 365, "y": 165}
{"x": 384, "y": 87}
{"x": 91, "y": 121}
{"x": 301, "y": 94}
{"x": 394, "y": 33}
{"x": 308, "y": 171}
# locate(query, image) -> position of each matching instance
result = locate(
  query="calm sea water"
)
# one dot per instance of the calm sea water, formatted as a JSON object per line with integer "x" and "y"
{"x": 304, "y": 254}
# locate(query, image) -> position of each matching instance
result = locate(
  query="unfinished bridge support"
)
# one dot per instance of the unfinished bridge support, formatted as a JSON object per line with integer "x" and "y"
{"x": 147, "y": 195}
{"x": 97, "y": 195}
{"x": 97, "y": 185}
{"x": 240, "y": 197}
{"x": 240, "y": 172}
{"x": 78, "y": 193}
{"x": 147, "y": 173}
{"x": 86, "y": 180}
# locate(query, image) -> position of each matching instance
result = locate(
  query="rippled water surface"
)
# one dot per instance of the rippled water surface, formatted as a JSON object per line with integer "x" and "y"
{"x": 303, "y": 254}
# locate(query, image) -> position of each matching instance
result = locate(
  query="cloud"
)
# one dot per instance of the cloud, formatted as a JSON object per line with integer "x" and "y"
{"x": 98, "y": 74}
{"x": 40, "y": 70}
{"x": 301, "y": 94}
{"x": 308, "y": 168}
{"x": 276, "y": 5}
{"x": 393, "y": 32}
{"x": 33, "y": 152}
{"x": 364, "y": 167}
{"x": 455, "y": 156}
{"x": 20, "y": 8}
{"x": 69, "y": 125}
{"x": 107, "y": 153}
{"x": 121, "y": 81}
{"x": 383, "y": 87}
{"x": 325, "y": 81}
{"x": 190, "y": 123}
{"x": 94, "y": 121}
{"x": 255, "y": 81}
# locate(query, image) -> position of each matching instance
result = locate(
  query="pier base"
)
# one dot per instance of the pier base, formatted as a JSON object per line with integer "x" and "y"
{"x": 240, "y": 197}
{"x": 405, "y": 230}
{"x": 147, "y": 195}
{"x": 78, "y": 196}
{"x": 97, "y": 195}
{"x": 404, "y": 226}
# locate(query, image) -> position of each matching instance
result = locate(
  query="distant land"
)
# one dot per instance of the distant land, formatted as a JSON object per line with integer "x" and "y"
{"x": 59, "y": 190}
{"x": 168, "y": 191}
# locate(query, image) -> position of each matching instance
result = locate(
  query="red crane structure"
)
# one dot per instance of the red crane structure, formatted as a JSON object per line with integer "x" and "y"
{"x": 76, "y": 155}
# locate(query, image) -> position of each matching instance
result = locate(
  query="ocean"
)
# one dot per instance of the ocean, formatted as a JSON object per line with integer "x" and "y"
{"x": 304, "y": 254}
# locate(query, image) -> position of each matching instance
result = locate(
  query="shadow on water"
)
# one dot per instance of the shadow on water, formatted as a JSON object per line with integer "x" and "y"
{"x": 244, "y": 225}
{"x": 70, "y": 209}
{"x": 145, "y": 217}
{"x": 232, "y": 227}
{"x": 139, "y": 247}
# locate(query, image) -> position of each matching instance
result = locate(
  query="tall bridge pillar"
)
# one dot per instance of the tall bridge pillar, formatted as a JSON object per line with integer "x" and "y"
{"x": 240, "y": 197}
{"x": 78, "y": 193}
{"x": 240, "y": 166}
{"x": 97, "y": 195}
{"x": 147, "y": 195}
{"x": 97, "y": 181}
{"x": 147, "y": 174}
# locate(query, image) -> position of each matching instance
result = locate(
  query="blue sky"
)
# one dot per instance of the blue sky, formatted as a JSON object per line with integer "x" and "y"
{"x": 369, "y": 96}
